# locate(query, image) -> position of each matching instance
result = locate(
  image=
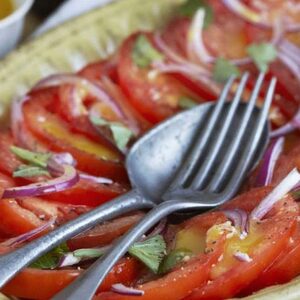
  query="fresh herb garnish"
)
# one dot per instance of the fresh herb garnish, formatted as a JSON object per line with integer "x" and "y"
{"x": 121, "y": 133}
{"x": 173, "y": 259}
{"x": 151, "y": 252}
{"x": 186, "y": 103}
{"x": 144, "y": 54}
{"x": 30, "y": 171}
{"x": 224, "y": 69}
{"x": 189, "y": 8}
{"x": 51, "y": 259}
{"x": 35, "y": 158}
{"x": 262, "y": 54}
{"x": 89, "y": 253}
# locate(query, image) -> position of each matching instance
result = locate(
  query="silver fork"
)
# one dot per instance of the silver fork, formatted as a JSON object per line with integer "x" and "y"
{"x": 214, "y": 168}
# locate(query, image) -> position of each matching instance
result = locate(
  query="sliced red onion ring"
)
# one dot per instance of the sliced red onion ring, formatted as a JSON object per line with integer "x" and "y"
{"x": 68, "y": 260}
{"x": 239, "y": 219}
{"x": 27, "y": 236}
{"x": 291, "y": 126}
{"x": 269, "y": 160}
{"x": 120, "y": 288}
{"x": 101, "y": 180}
{"x": 281, "y": 190}
{"x": 248, "y": 14}
{"x": 66, "y": 181}
{"x": 94, "y": 89}
{"x": 196, "y": 48}
{"x": 161, "y": 226}
{"x": 241, "y": 256}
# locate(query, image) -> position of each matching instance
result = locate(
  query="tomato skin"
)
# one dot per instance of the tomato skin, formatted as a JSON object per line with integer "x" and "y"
{"x": 274, "y": 240}
{"x": 25, "y": 284}
{"x": 59, "y": 138}
{"x": 155, "y": 98}
{"x": 104, "y": 234}
{"x": 99, "y": 69}
{"x": 179, "y": 283}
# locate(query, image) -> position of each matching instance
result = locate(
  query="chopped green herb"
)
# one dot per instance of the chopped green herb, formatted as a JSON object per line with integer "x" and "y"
{"x": 144, "y": 54}
{"x": 190, "y": 7}
{"x": 30, "y": 171}
{"x": 151, "y": 252}
{"x": 120, "y": 132}
{"x": 51, "y": 259}
{"x": 262, "y": 54}
{"x": 186, "y": 103}
{"x": 88, "y": 253}
{"x": 223, "y": 70}
{"x": 35, "y": 158}
{"x": 173, "y": 259}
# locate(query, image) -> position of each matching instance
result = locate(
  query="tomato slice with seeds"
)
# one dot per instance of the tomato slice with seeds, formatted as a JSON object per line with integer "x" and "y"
{"x": 155, "y": 96}
{"x": 265, "y": 241}
{"x": 181, "y": 280}
{"x": 92, "y": 157}
{"x": 25, "y": 284}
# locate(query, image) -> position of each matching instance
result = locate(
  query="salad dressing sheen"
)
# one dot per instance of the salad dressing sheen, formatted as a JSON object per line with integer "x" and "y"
{"x": 6, "y": 8}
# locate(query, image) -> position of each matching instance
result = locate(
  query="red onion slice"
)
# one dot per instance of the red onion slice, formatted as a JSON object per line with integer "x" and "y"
{"x": 68, "y": 260}
{"x": 27, "y": 236}
{"x": 121, "y": 289}
{"x": 66, "y": 181}
{"x": 243, "y": 257}
{"x": 288, "y": 127}
{"x": 239, "y": 218}
{"x": 282, "y": 189}
{"x": 269, "y": 160}
{"x": 93, "y": 89}
{"x": 249, "y": 15}
{"x": 100, "y": 180}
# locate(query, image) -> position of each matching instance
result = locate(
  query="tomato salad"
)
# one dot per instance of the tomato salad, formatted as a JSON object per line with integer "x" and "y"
{"x": 64, "y": 154}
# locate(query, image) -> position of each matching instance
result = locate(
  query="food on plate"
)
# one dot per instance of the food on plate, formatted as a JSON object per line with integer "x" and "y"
{"x": 64, "y": 155}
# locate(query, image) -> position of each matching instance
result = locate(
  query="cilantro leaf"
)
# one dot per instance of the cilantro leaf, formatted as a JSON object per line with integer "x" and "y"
{"x": 151, "y": 252}
{"x": 186, "y": 103}
{"x": 223, "y": 70}
{"x": 189, "y": 8}
{"x": 120, "y": 132}
{"x": 51, "y": 259}
{"x": 173, "y": 259}
{"x": 262, "y": 54}
{"x": 35, "y": 158}
{"x": 30, "y": 171}
{"x": 144, "y": 54}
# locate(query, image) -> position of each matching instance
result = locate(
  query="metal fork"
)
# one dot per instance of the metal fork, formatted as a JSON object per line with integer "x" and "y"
{"x": 216, "y": 165}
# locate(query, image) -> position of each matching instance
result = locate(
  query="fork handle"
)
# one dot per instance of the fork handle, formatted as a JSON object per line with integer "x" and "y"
{"x": 12, "y": 263}
{"x": 85, "y": 286}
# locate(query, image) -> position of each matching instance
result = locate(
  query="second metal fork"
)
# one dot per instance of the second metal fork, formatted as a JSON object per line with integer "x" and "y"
{"x": 211, "y": 174}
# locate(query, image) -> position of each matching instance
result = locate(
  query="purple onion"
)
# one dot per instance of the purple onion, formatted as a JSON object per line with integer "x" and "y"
{"x": 94, "y": 179}
{"x": 69, "y": 178}
{"x": 281, "y": 190}
{"x": 243, "y": 257}
{"x": 249, "y": 15}
{"x": 239, "y": 218}
{"x": 68, "y": 260}
{"x": 288, "y": 127}
{"x": 27, "y": 236}
{"x": 121, "y": 289}
{"x": 161, "y": 226}
{"x": 94, "y": 89}
{"x": 269, "y": 160}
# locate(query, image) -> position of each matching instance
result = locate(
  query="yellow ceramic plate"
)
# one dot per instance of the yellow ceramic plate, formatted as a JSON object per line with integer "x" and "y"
{"x": 86, "y": 39}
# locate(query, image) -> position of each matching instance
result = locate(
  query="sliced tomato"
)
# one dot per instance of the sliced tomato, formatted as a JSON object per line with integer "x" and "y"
{"x": 19, "y": 216}
{"x": 89, "y": 193}
{"x": 104, "y": 234}
{"x": 98, "y": 70}
{"x": 92, "y": 157}
{"x": 283, "y": 269}
{"x": 185, "y": 277}
{"x": 25, "y": 284}
{"x": 265, "y": 241}
{"x": 155, "y": 96}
